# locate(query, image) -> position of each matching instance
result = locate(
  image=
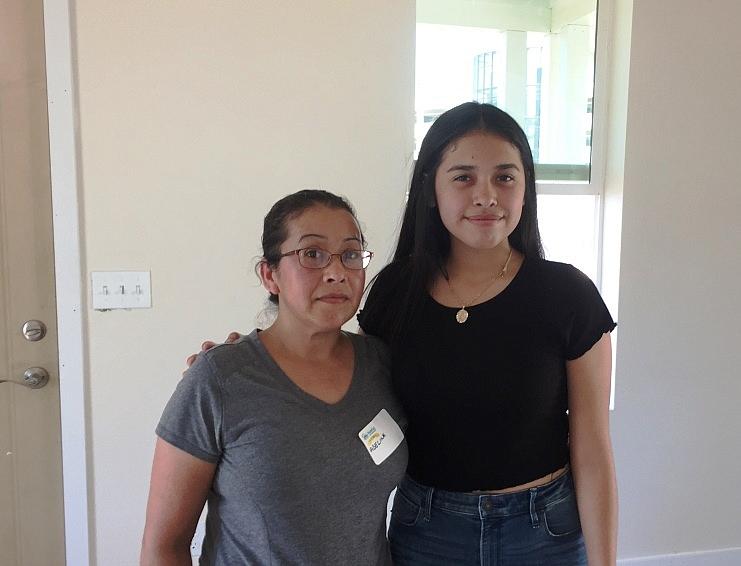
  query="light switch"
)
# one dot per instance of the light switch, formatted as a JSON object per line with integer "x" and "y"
{"x": 121, "y": 290}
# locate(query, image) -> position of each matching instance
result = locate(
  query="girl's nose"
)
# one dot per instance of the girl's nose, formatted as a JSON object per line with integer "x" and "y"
{"x": 485, "y": 194}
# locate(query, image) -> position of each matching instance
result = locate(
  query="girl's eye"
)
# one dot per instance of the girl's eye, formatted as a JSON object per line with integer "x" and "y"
{"x": 505, "y": 178}
{"x": 462, "y": 178}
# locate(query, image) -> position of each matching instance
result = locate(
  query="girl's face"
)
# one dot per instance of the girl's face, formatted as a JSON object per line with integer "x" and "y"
{"x": 318, "y": 299}
{"x": 480, "y": 191}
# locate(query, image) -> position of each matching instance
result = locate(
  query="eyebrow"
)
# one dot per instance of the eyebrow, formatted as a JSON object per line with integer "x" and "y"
{"x": 351, "y": 238}
{"x": 500, "y": 167}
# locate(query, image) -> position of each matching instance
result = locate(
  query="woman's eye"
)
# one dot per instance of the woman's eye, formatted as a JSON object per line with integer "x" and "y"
{"x": 312, "y": 253}
{"x": 462, "y": 178}
{"x": 506, "y": 178}
{"x": 352, "y": 254}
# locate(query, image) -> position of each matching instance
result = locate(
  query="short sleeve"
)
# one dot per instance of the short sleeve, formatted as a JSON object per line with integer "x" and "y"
{"x": 590, "y": 318}
{"x": 192, "y": 419}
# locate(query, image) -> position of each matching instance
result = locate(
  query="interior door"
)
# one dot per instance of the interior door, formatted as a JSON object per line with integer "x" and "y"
{"x": 31, "y": 504}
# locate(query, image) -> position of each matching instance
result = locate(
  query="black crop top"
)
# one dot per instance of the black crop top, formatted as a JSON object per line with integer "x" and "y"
{"x": 486, "y": 400}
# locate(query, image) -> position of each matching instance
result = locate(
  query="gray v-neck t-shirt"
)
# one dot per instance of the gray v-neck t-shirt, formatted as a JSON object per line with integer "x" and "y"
{"x": 294, "y": 482}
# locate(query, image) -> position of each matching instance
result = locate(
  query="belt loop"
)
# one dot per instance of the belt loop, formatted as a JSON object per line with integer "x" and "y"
{"x": 428, "y": 504}
{"x": 533, "y": 513}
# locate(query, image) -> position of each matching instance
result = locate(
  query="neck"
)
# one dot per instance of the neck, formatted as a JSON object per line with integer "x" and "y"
{"x": 308, "y": 345}
{"x": 474, "y": 264}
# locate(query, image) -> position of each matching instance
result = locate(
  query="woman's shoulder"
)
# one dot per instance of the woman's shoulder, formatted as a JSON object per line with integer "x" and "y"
{"x": 226, "y": 349}
{"x": 371, "y": 348}
{"x": 228, "y": 358}
{"x": 373, "y": 358}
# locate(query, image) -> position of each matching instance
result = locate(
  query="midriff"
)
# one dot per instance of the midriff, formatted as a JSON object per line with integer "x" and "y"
{"x": 535, "y": 483}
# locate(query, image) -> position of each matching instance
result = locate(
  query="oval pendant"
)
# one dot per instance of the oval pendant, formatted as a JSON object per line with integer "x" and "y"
{"x": 461, "y": 316}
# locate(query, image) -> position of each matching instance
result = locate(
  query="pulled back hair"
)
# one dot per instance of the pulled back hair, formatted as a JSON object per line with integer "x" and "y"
{"x": 423, "y": 247}
{"x": 275, "y": 225}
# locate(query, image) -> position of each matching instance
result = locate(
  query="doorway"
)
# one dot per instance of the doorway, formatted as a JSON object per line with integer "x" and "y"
{"x": 31, "y": 501}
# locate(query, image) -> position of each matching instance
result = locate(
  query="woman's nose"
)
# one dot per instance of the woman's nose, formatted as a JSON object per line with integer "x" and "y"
{"x": 335, "y": 271}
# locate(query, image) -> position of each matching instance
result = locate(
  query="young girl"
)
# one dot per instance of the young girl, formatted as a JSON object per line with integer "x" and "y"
{"x": 292, "y": 434}
{"x": 501, "y": 360}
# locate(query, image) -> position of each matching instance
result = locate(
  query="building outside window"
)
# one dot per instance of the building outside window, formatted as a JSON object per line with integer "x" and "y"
{"x": 535, "y": 60}
{"x": 484, "y": 84}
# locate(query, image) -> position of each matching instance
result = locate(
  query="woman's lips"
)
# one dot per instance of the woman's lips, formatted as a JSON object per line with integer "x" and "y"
{"x": 334, "y": 298}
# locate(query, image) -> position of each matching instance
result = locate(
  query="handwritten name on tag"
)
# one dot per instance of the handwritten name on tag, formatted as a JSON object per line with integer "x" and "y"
{"x": 381, "y": 436}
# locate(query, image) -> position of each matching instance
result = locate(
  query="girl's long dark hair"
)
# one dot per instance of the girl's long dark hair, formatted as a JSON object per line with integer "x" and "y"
{"x": 424, "y": 243}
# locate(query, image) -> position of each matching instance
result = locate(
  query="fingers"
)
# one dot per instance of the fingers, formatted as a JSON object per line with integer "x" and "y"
{"x": 208, "y": 344}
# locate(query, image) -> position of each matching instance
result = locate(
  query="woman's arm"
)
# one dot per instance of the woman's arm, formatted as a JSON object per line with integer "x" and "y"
{"x": 177, "y": 493}
{"x": 591, "y": 451}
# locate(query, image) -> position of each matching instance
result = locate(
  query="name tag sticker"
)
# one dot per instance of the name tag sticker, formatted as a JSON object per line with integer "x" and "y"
{"x": 381, "y": 436}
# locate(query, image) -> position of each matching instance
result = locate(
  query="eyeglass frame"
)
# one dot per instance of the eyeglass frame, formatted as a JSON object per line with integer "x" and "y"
{"x": 298, "y": 251}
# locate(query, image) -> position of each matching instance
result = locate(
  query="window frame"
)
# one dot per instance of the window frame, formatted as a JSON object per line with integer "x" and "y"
{"x": 597, "y": 172}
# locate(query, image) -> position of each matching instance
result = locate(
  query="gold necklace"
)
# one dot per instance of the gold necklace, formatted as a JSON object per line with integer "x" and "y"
{"x": 462, "y": 315}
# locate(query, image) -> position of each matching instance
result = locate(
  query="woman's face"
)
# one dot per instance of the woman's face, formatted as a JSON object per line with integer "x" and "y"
{"x": 318, "y": 299}
{"x": 480, "y": 190}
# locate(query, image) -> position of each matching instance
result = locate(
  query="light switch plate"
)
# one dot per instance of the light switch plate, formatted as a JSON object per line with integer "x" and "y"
{"x": 121, "y": 290}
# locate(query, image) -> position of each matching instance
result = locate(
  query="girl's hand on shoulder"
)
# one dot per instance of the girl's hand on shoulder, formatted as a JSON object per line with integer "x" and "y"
{"x": 208, "y": 344}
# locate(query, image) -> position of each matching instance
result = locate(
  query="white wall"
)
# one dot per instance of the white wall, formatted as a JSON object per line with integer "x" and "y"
{"x": 195, "y": 117}
{"x": 677, "y": 423}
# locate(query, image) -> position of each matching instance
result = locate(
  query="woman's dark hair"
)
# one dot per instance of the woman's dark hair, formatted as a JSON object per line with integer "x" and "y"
{"x": 275, "y": 225}
{"x": 424, "y": 243}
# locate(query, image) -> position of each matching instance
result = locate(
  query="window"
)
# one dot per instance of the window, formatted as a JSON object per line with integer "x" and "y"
{"x": 532, "y": 99}
{"x": 485, "y": 87}
{"x": 536, "y": 60}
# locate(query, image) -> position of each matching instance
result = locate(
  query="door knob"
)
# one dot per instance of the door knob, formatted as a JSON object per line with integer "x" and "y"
{"x": 33, "y": 378}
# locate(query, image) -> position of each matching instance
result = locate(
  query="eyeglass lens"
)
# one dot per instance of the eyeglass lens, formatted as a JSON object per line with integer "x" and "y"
{"x": 317, "y": 258}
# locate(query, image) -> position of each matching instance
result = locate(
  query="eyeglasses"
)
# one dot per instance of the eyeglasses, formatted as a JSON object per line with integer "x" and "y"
{"x": 317, "y": 258}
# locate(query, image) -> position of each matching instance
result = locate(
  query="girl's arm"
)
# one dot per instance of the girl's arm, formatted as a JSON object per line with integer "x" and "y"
{"x": 591, "y": 451}
{"x": 177, "y": 493}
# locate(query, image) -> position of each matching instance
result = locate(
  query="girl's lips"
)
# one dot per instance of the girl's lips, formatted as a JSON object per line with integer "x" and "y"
{"x": 484, "y": 219}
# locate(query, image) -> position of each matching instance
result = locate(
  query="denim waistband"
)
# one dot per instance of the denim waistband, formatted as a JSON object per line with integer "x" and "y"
{"x": 529, "y": 500}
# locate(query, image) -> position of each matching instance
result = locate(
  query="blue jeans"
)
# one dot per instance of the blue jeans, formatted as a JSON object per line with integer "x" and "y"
{"x": 537, "y": 526}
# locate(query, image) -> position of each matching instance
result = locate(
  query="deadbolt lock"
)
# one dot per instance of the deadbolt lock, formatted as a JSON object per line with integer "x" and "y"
{"x": 33, "y": 330}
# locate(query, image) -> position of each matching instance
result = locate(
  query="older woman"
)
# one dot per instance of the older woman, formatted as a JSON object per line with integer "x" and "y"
{"x": 292, "y": 434}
